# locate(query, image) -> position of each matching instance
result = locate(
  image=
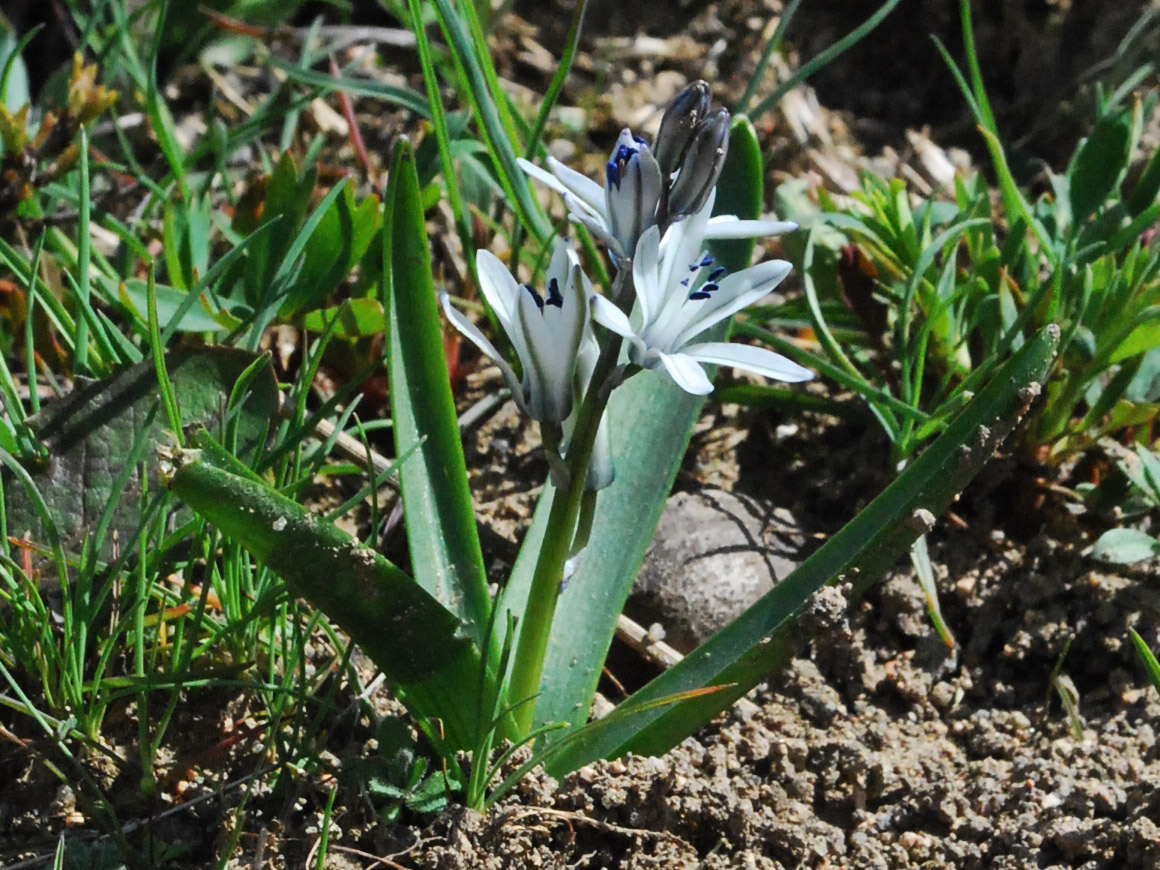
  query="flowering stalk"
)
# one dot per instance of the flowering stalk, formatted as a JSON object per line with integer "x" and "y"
{"x": 561, "y": 533}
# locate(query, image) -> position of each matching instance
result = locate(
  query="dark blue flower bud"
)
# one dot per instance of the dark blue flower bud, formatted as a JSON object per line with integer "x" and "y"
{"x": 701, "y": 166}
{"x": 684, "y": 113}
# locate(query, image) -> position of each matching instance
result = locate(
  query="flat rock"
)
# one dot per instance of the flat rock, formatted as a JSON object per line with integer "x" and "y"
{"x": 714, "y": 554}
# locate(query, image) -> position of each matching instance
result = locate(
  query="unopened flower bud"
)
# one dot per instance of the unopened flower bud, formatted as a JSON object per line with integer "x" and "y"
{"x": 701, "y": 166}
{"x": 678, "y": 125}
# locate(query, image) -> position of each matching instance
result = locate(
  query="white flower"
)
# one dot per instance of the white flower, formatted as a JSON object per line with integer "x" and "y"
{"x": 627, "y": 204}
{"x": 619, "y": 214}
{"x": 545, "y": 331}
{"x": 675, "y": 305}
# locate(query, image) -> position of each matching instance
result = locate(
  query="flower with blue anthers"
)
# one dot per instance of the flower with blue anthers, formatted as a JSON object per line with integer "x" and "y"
{"x": 681, "y": 293}
{"x": 643, "y": 187}
{"x": 545, "y": 330}
{"x": 627, "y": 204}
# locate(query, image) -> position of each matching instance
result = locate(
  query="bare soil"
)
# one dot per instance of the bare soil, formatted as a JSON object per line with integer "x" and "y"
{"x": 879, "y": 746}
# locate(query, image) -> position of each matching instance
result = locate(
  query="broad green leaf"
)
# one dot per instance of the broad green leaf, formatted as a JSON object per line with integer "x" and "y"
{"x": 357, "y": 318}
{"x": 90, "y": 432}
{"x": 441, "y": 532}
{"x": 1125, "y": 546}
{"x": 1099, "y": 165}
{"x": 743, "y": 654}
{"x": 416, "y": 641}
{"x": 196, "y": 318}
{"x": 337, "y": 244}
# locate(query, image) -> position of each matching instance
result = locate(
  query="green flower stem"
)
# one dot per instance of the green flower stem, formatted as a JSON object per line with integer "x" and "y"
{"x": 584, "y": 527}
{"x": 528, "y": 666}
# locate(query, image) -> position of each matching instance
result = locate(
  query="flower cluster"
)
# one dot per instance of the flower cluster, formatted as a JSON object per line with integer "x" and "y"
{"x": 654, "y": 216}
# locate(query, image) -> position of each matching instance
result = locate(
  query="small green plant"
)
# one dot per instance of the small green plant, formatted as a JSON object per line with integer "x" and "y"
{"x": 473, "y": 670}
{"x": 1123, "y": 546}
{"x": 399, "y": 778}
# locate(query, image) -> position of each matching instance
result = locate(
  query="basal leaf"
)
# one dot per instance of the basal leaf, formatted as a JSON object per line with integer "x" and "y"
{"x": 90, "y": 432}
{"x": 1099, "y": 164}
{"x": 416, "y": 641}
{"x": 444, "y": 544}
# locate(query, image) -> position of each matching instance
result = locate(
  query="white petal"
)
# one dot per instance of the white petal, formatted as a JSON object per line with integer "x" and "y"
{"x": 736, "y": 291}
{"x": 729, "y": 227}
{"x": 501, "y": 290}
{"x": 685, "y": 246}
{"x": 686, "y": 373}
{"x": 503, "y": 295}
{"x": 560, "y": 266}
{"x": 611, "y": 317}
{"x": 570, "y": 320}
{"x": 541, "y": 175}
{"x": 548, "y": 366}
{"x": 752, "y": 359}
{"x": 597, "y": 224}
{"x": 644, "y": 273}
{"x": 472, "y": 334}
{"x": 580, "y": 185}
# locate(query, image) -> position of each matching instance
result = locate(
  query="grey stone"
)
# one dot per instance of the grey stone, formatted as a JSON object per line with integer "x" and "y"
{"x": 714, "y": 554}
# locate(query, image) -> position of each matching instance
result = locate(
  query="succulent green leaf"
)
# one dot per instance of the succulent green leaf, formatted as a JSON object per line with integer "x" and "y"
{"x": 441, "y": 532}
{"x": 416, "y": 641}
{"x": 1125, "y": 546}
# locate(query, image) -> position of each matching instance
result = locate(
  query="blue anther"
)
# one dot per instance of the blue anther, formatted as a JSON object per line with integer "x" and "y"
{"x": 554, "y": 295}
{"x": 535, "y": 296}
{"x": 717, "y": 273}
{"x": 698, "y": 295}
{"x": 613, "y": 173}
